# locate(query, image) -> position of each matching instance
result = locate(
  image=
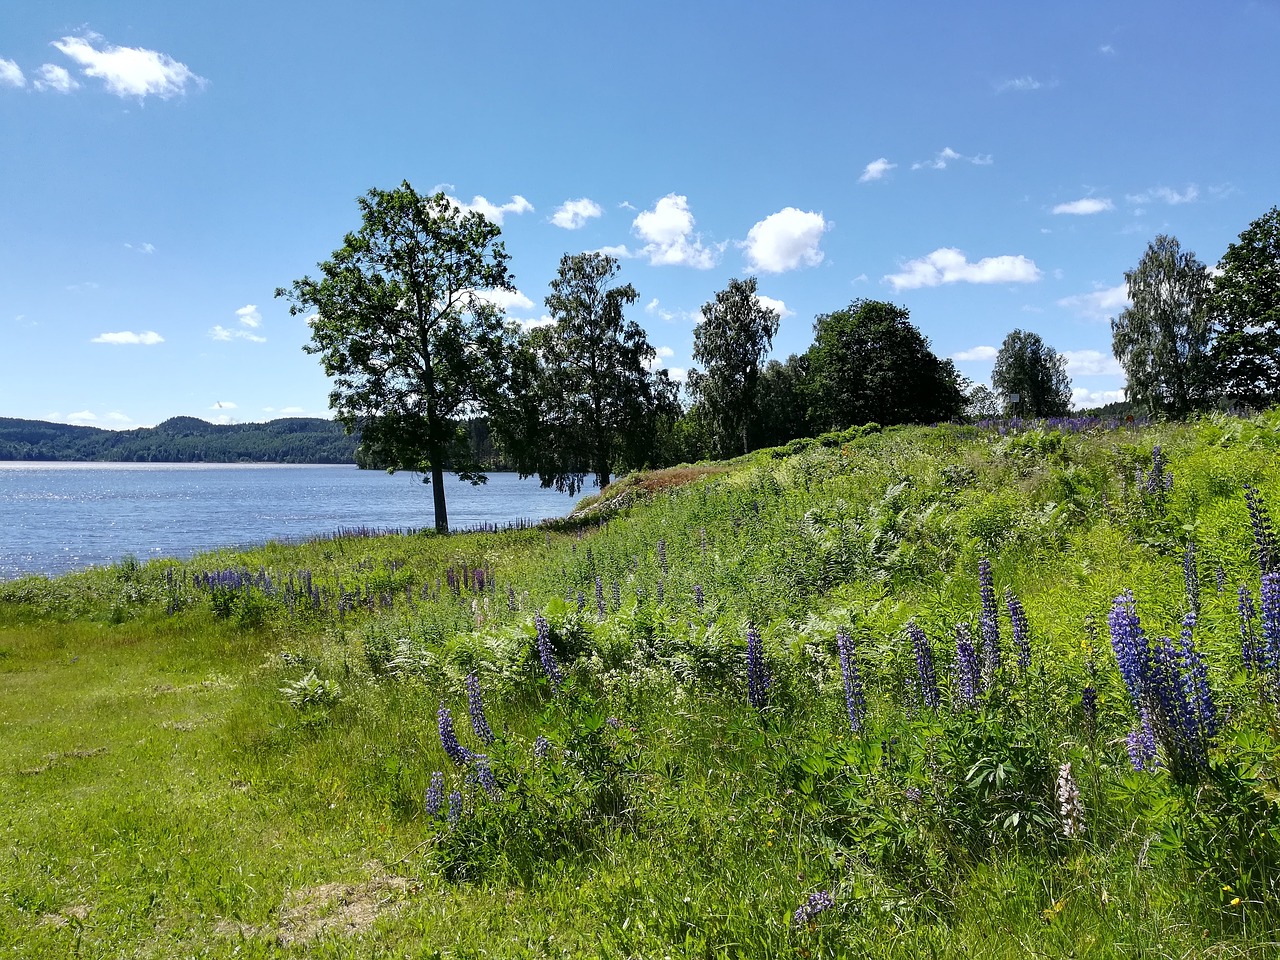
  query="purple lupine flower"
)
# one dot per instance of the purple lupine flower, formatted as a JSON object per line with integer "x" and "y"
{"x": 614, "y": 722}
{"x": 1141, "y": 744}
{"x": 699, "y": 598}
{"x": 659, "y": 592}
{"x": 757, "y": 672}
{"x": 662, "y": 556}
{"x": 1021, "y": 629}
{"x": 1191, "y": 578}
{"x": 1130, "y": 645}
{"x": 990, "y": 623}
{"x": 1264, "y": 536}
{"x": 545, "y": 653}
{"x": 511, "y": 598}
{"x": 581, "y": 601}
{"x": 926, "y": 677}
{"x": 449, "y": 739}
{"x": 455, "y": 807}
{"x": 968, "y": 670}
{"x": 435, "y": 795}
{"x": 1221, "y": 576}
{"x": 915, "y": 795}
{"x": 1156, "y": 482}
{"x": 1196, "y": 683}
{"x": 816, "y": 904}
{"x": 600, "y": 608}
{"x": 475, "y": 706}
{"x": 1271, "y": 628}
{"x": 540, "y": 747}
{"x": 1251, "y": 650}
{"x": 484, "y": 774}
{"x": 854, "y": 699}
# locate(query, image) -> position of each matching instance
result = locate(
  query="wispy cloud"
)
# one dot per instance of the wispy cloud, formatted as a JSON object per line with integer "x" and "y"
{"x": 1098, "y": 304}
{"x": 1085, "y": 206}
{"x": 947, "y": 156}
{"x": 141, "y": 247}
{"x": 1165, "y": 195}
{"x": 875, "y": 170}
{"x": 1092, "y": 363}
{"x": 1019, "y": 85}
{"x": 949, "y": 265}
{"x": 574, "y": 214}
{"x": 55, "y": 78}
{"x": 250, "y": 320}
{"x": 129, "y": 71}
{"x": 123, "y": 337}
{"x": 11, "y": 74}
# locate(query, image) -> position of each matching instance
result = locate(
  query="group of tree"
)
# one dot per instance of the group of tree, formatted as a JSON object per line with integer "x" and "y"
{"x": 1194, "y": 339}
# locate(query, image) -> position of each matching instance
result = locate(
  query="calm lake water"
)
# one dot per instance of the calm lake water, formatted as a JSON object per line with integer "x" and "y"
{"x": 56, "y": 517}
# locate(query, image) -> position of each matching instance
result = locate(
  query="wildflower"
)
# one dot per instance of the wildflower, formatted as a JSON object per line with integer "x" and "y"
{"x": 1141, "y": 744}
{"x": 455, "y": 807}
{"x": 614, "y": 722}
{"x": 484, "y": 773}
{"x": 816, "y": 904}
{"x": 915, "y": 795}
{"x": 545, "y": 652}
{"x": 540, "y": 747}
{"x": 1070, "y": 807}
{"x": 990, "y": 623}
{"x": 435, "y": 795}
{"x": 662, "y": 556}
{"x": 1021, "y": 630}
{"x": 1130, "y": 645}
{"x": 967, "y": 669}
{"x": 854, "y": 699}
{"x": 926, "y": 677}
{"x": 658, "y": 594}
{"x": 1264, "y": 535}
{"x": 699, "y": 598}
{"x": 475, "y": 706}
{"x": 449, "y": 740}
{"x": 511, "y": 598}
{"x": 581, "y": 601}
{"x": 1270, "y": 656}
{"x": 757, "y": 673}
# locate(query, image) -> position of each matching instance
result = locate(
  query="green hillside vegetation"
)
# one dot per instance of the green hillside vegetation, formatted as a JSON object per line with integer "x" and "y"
{"x": 877, "y": 694}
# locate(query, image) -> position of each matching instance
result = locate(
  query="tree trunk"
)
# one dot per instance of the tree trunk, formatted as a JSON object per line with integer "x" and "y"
{"x": 437, "y": 494}
{"x": 602, "y": 475}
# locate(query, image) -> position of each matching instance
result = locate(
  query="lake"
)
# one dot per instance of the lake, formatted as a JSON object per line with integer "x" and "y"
{"x": 56, "y": 517}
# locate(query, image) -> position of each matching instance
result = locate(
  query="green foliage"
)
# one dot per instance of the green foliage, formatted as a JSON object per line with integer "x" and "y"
{"x": 1035, "y": 372}
{"x": 1246, "y": 304}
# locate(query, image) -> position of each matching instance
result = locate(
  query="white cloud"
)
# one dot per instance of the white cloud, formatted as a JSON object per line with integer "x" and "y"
{"x": 620, "y": 251}
{"x": 219, "y": 332}
{"x": 667, "y": 230}
{"x": 660, "y": 354}
{"x": 876, "y": 169}
{"x": 1092, "y": 363}
{"x": 250, "y": 319}
{"x": 976, "y": 353}
{"x": 1099, "y": 304}
{"x": 1165, "y": 195}
{"x": 949, "y": 265}
{"x": 250, "y": 316}
{"x": 656, "y": 309}
{"x": 129, "y": 71}
{"x": 141, "y": 248}
{"x": 55, "y": 78}
{"x": 1107, "y": 48}
{"x": 780, "y": 308}
{"x": 786, "y": 240}
{"x": 129, "y": 337}
{"x": 1020, "y": 84}
{"x": 505, "y": 299}
{"x": 573, "y": 214}
{"x": 495, "y": 212}
{"x": 1080, "y": 397}
{"x": 678, "y": 374}
{"x": 82, "y": 416}
{"x": 115, "y": 416}
{"x": 1085, "y": 206}
{"x": 546, "y": 320}
{"x": 11, "y": 74}
{"x": 946, "y": 155}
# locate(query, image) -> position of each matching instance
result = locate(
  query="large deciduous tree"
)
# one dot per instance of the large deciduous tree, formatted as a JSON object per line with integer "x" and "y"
{"x": 869, "y": 363}
{"x": 735, "y": 333}
{"x": 403, "y": 328}
{"x": 583, "y": 399}
{"x": 1036, "y": 372}
{"x": 1246, "y": 306}
{"x": 1163, "y": 339}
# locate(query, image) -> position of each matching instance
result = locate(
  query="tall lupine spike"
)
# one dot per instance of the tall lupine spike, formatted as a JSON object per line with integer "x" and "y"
{"x": 968, "y": 671}
{"x": 455, "y": 807}
{"x": 484, "y": 774}
{"x": 511, "y": 599}
{"x": 926, "y": 676}
{"x": 662, "y": 556}
{"x": 1130, "y": 646}
{"x": 757, "y": 672}
{"x": 659, "y": 592}
{"x": 990, "y": 623}
{"x": 475, "y": 706}
{"x": 854, "y": 698}
{"x": 581, "y": 601}
{"x": 545, "y": 652}
{"x": 449, "y": 739}
{"x": 1271, "y": 631}
{"x": 1070, "y": 806}
{"x": 1191, "y": 578}
{"x": 1021, "y": 629}
{"x": 1251, "y": 649}
{"x": 1196, "y": 682}
{"x": 1141, "y": 744}
{"x": 699, "y": 597}
{"x": 434, "y": 798}
{"x": 1264, "y": 536}
{"x": 600, "y": 607}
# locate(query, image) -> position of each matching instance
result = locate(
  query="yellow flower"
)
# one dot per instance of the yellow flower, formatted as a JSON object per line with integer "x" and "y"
{"x": 1235, "y": 902}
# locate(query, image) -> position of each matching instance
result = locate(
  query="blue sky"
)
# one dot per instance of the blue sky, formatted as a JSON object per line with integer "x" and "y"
{"x": 164, "y": 167}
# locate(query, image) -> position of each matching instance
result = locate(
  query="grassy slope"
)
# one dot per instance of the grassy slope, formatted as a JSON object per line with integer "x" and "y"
{"x": 160, "y": 797}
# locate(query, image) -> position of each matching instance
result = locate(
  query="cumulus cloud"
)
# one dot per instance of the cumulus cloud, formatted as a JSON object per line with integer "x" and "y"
{"x": 660, "y": 355}
{"x": 573, "y": 214}
{"x": 11, "y": 74}
{"x": 55, "y": 78}
{"x": 946, "y": 155}
{"x": 1098, "y": 304}
{"x": 493, "y": 211}
{"x": 546, "y": 320}
{"x": 667, "y": 231}
{"x": 1092, "y": 363}
{"x": 876, "y": 169}
{"x": 129, "y": 71}
{"x": 949, "y": 265}
{"x": 1019, "y": 84}
{"x": 146, "y": 338}
{"x": 619, "y": 250}
{"x": 786, "y": 240}
{"x": 1081, "y": 397}
{"x": 1085, "y": 206}
{"x": 1165, "y": 195}
{"x": 976, "y": 353}
{"x": 777, "y": 306}
{"x": 250, "y": 319}
{"x": 82, "y": 416}
{"x": 505, "y": 299}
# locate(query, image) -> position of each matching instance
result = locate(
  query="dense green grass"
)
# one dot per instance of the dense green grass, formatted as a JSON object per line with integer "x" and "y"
{"x": 228, "y": 757}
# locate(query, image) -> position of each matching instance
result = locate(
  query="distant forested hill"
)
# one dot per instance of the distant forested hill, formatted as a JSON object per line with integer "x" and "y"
{"x": 181, "y": 440}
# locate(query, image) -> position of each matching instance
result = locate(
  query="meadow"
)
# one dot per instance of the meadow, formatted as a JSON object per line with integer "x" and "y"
{"x": 959, "y": 691}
